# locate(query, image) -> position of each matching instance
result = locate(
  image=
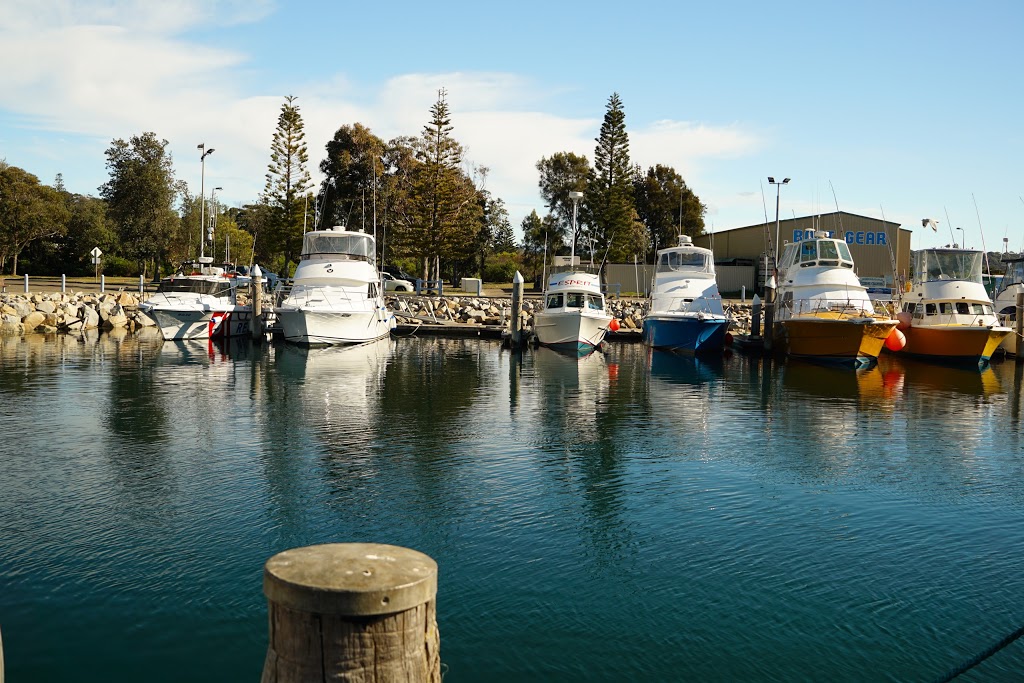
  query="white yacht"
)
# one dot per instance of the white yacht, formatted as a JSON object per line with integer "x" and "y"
{"x": 686, "y": 312}
{"x": 199, "y": 302}
{"x": 1006, "y": 301}
{"x": 336, "y": 295}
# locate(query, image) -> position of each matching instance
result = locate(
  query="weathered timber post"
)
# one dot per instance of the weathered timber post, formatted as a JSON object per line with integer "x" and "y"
{"x": 352, "y": 612}
{"x": 517, "y": 310}
{"x": 1018, "y": 327}
{"x": 769, "y": 318}
{"x": 755, "y": 318}
{"x": 256, "y": 295}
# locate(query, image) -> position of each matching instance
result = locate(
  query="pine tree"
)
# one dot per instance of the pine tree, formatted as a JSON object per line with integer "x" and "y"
{"x": 441, "y": 217}
{"x": 287, "y": 183}
{"x": 608, "y": 209}
{"x": 664, "y": 203}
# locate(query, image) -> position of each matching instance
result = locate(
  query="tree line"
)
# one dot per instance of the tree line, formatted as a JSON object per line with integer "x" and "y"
{"x": 430, "y": 206}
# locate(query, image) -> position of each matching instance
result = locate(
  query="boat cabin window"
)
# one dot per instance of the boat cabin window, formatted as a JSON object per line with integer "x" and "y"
{"x": 808, "y": 251}
{"x": 671, "y": 261}
{"x": 979, "y": 309}
{"x": 947, "y": 264}
{"x": 918, "y": 310}
{"x": 354, "y": 246}
{"x": 963, "y": 307}
{"x": 946, "y": 308}
{"x": 828, "y": 253}
{"x": 574, "y": 300}
{"x": 554, "y": 301}
{"x": 929, "y": 309}
{"x": 192, "y": 286}
{"x": 595, "y": 302}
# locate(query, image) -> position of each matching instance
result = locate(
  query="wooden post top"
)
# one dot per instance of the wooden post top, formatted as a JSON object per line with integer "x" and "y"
{"x": 350, "y": 579}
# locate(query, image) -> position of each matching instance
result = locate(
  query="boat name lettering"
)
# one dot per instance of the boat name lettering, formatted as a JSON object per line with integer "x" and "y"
{"x": 571, "y": 282}
{"x": 877, "y": 239}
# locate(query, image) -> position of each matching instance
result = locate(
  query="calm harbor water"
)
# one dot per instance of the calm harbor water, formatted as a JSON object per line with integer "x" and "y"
{"x": 627, "y": 516}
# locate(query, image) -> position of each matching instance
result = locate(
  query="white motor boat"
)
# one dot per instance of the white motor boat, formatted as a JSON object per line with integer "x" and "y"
{"x": 336, "y": 295}
{"x": 686, "y": 312}
{"x": 1006, "y": 301}
{"x": 574, "y": 316}
{"x": 199, "y": 302}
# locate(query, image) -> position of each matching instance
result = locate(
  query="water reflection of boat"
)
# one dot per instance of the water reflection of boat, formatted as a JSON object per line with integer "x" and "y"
{"x": 919, "y": 377}
{"x": 865, "y": 385}
{"x": 353, "y": 367}
{"x": 677, "y": 368}
{"x": 573, "y": 385}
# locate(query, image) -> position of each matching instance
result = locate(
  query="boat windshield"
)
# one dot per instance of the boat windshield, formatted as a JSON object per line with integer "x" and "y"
{"x": 947, "y": 264}
{"x": 825, "y": 253}
{"x": 356, "y": 246}
{"x": 673, "y": 261}
{"x": 195, "y": 286}
{"x": 1014, "y": 274}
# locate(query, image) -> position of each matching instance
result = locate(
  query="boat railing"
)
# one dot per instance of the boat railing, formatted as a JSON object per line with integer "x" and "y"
{"x": 839, "y": 308}
{"x": 327, "y": 296}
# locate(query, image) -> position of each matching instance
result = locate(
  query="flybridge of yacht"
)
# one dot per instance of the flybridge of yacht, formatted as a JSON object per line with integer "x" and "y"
{"x": 818, "y": 252}
{"x": 194, "y": 285}
{"x": 338, "y": 244}
{"x": 931, "y": 265}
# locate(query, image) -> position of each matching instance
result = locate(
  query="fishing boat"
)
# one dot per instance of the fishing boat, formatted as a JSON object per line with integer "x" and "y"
{"x": 200, "y": 301}
{"x": 824, "y": 313}
{"x": 335, "y": 296}
{"x": 686, "y": 312}
{"x": 947, "y": 315}
{"x": 1010, "y": 286}
{"x": 574, "y": 316}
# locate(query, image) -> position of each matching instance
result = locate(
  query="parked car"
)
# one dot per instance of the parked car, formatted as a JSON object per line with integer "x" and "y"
{"x": 398, "y": 273}
{"x": 393, "y": 284}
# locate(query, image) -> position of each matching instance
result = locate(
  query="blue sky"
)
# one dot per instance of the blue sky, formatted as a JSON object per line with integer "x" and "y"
{"x": 908, "y": 108}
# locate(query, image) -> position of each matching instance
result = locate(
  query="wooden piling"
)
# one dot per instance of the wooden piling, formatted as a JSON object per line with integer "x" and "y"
{"x": 1018, "y": 327}
{"x": 256, "y": 298}
{"x": 755, "y": 318}
{"x": 361, "y": 612}
{"x": 517, "y": 310}
{"x": 769, "y": 318}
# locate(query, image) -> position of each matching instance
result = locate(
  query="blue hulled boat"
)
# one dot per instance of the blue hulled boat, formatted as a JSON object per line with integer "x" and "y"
{"x": 686, "y": 312}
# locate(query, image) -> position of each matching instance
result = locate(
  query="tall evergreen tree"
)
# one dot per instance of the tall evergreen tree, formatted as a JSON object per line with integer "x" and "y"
{"x": 442, "y": 217}
{"x": 353, "y": 170}
{"x": 561, "y": 174}
{"x": 665, "y": 205}
{"x": 140, "y": 198}
{"x": 287, "y": 183}
{"x": 608, "y": 209}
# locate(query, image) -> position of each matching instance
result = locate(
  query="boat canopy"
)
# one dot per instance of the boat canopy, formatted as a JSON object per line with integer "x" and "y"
{"x": 676, "y": 260}
{"x": 1014, "y": 274}
{"x": 947, "y": 264}
{"x": 356, "y": 246}
{"x": 194, "y": 285}
{"x": 817, "y": 252}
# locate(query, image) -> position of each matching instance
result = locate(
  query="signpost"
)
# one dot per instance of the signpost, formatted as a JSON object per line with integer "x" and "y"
{"x": 96, "y": 253}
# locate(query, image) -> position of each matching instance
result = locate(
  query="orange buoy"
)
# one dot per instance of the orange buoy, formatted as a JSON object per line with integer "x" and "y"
{"x": 613, "y": 325}
{"x": 896, "y": 340}
{"x": 904, "y": 317}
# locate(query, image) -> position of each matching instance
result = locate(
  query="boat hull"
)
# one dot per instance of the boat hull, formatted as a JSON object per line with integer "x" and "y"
{"x": 574, "y": 330}
{"x": 327, "y": 327}
{"x": 191, "y": 323}
{"x": 853, "y": 342}
{"x": 685, "y": 334}
{"x": 954, "y": 343}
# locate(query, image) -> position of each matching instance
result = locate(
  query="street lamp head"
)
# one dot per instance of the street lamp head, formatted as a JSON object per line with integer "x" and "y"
{"x": 785, "y": 181}
{"x": 771, "y": 180}
{"x": 575, "y": 196}
{"x": 201, "y": 145}
{"x": 217, "y": 188}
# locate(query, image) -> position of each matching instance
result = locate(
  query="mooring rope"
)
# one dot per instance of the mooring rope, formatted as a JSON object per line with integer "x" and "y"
{"x": 978, "y": 659}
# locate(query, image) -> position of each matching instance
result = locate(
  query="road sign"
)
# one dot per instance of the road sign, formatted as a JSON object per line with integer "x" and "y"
{"x": 96, "y": 253}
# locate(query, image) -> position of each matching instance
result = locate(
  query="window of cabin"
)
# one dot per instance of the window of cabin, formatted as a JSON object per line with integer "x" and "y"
{"x": 963, "y": 307}
{"x": 946, "y": 308}
{"x": 574, "y": 300}
{"x": 929, "y": 309}
{"x": 554, "y": 301}
{"x": 595, "y": 302}
{"x": 808, "y": 251}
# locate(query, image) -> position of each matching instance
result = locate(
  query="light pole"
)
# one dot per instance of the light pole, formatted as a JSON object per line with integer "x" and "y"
{"x": 778, "y": 192}
{"x": 202, "y": 196}
{"x": 963, "y": 238}
{"x": 213, "y": 222}
{"x": 575, "y": 197}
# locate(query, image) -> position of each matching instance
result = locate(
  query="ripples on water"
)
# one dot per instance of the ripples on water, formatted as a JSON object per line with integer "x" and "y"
{"x": 631, "y": 515}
